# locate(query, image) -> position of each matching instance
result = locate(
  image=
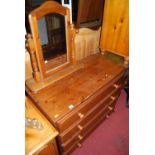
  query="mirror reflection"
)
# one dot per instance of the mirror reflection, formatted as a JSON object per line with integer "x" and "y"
{"x": 53, "y": 40}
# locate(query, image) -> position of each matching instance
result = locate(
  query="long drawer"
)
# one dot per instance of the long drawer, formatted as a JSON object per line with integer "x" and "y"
{"x": 75, "y": 115}
{"x": 102, "y": 108}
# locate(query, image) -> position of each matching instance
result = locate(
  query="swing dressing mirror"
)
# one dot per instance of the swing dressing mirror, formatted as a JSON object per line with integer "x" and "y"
{"x": 50, "y": 29}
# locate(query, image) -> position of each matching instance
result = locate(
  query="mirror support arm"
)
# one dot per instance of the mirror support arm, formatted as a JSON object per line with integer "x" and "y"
{"x": 73, "y": 43}
{"x": 31, "y": 49}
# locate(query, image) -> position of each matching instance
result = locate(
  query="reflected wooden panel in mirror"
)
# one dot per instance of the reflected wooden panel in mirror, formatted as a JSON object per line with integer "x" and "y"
{"x": 53, "y": 40}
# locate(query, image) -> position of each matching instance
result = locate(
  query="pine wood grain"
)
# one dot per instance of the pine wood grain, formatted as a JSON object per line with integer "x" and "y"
{"x": 86, "y": 42}
{"x": 34, "y": 139}
{"x": 72, "y": 89}
{"x": 28, "y": 67}
{"x": 115, "y": 27}
{"x": 47, "y": 8}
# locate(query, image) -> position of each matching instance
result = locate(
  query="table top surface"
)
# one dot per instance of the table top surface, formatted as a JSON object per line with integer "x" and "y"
{"x": 64, "y": 95}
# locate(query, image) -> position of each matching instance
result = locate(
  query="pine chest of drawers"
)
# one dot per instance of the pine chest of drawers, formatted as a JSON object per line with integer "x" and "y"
{"x": 77, "y": 103}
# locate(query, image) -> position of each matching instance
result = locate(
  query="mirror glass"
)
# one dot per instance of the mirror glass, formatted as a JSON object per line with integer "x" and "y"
{"x": 53, "y": 40}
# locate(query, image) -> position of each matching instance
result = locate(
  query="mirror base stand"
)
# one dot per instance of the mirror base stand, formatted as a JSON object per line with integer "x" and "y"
{"x": 34, "y": 86}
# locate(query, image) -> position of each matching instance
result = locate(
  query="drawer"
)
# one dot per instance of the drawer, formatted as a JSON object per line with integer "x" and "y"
{"x": 65, "y": 136}
{"x": 94, "y": 112}
{"x": 75, "y": 145}
{"x": 123, "y": 80}
{"x": 89, "y": 113}
{"x": 72, "y": 142}
{"x": 91, "y": 125}
{"x": 99, "y": 117}
{"x": 92, "y": 102}
{"x": 76, "y": 115}
{"x": 103, "y": 108}
{"x": 67, "y": 121}
{"x": 97, "y": 97}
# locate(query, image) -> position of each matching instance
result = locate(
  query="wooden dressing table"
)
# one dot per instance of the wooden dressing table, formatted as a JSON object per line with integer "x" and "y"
{"x": 77, "y": 103}
{"x": 77, "y": 95}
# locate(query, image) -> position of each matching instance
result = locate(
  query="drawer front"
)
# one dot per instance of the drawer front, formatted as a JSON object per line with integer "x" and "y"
{"x": 66, "y": 122}
{"x": 90, "y": 127}
{"x": 101, "y": 95}
{"x": 112, "y": 96}
{"x": 72, "y": 141}
{"x": 85, "y": 107}
{"x": 98, "y": 115}
{"x": 124, "y": 80}
{"x": 100, "y": 111}
{"x": 75, "y": 145}
{"x": 65, "y": 136}
{"x": 88, "y": 105}
{"x": 102, "y": 115}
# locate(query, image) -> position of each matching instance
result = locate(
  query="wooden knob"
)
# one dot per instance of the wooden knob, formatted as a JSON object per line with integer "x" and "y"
{"x": 126, "y": 82}
{"x": 113, "y": 97}
{"x": 106, "y": 76}
{"x": 115, "y": 85}
{"x": 80, "y": 115}
{"x": 107, "y": 116}
{"x": 26, "y": 44}
{"x": 79, "y": 145}
{"x": 110, "y": 108}
{"x": 28, "y": 36}
{"x": 80, "y": 137}
{"x": 80, "y": 127}
{"x": 77, "y": 30}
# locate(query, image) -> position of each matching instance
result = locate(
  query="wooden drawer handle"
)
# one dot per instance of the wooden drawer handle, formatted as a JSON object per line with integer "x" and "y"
{"x": 80, "y": 137}
{"x": 107, "y": 116}
{"x": 115, "y": 85}
{"x": 80, "y": 115}
{"x": 125, "y": 82}
{"x": 79, "y": 145}
{"x": 110, "y": 108}
{"x": 113, "y": 97}
{"x": 80, "y": 127}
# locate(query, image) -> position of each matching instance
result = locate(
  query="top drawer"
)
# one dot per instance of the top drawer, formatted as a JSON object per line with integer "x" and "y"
{"x": 78, "y": 113}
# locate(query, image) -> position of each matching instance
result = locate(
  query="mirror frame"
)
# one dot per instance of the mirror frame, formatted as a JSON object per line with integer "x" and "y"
{"x": 45, "y": 9}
